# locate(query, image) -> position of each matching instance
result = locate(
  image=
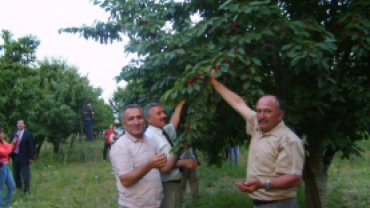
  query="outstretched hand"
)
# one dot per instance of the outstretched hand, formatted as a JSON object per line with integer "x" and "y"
{"x": 249, "y": 186}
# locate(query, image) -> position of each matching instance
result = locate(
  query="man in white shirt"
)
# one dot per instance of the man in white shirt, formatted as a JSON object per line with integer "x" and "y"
{"x": 164, "y": 136}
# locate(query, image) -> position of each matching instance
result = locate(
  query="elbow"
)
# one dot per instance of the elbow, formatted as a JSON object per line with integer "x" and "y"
{"x": 165, "y": 171}
{"x": 297, "y": 182}
{"x": 126, "y": 184}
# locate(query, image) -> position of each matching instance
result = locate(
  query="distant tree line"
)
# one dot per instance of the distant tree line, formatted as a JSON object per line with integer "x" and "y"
{"x": 49, "y": 94}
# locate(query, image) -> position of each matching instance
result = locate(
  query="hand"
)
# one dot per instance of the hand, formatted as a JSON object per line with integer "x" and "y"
{"x": 212, "y": 78}
{"x": 190, "y": 164}
{"x": 182, "y": 102}
{"x": 249, "y": 186}
{"x": 14, "y": 141}
{"x": 158, "y": 161}
{"x": 31, "y": 161}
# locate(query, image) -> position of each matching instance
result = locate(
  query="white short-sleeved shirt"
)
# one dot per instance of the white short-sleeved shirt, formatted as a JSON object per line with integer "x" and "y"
{"x": 127, "y": 154}
{"x": 156, "y": 134}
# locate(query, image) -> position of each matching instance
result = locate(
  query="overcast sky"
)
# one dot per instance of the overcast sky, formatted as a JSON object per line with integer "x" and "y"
{"x": 43, "y": 19}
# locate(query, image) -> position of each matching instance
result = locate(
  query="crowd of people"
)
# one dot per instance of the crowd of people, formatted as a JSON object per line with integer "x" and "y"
{"x": 149, "y": 174}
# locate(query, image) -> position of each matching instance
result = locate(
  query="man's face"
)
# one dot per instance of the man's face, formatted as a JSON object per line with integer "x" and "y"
{"x": 157, "y": 117}
{"x": 89, "y": 104}
{"x": 268, "y": 113}
{"x": 133, "y": 122}
{"x": 20, "y": 125}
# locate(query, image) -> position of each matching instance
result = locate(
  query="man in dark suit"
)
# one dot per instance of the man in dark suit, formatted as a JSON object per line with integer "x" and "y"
{"x": 22, "y": 156}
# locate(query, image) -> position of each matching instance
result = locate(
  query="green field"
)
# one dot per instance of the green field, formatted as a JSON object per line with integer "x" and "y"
{"x": 80, "y": 179}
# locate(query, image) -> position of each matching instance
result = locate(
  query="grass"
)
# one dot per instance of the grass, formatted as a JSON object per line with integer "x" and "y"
{"x": 88, "y": 182}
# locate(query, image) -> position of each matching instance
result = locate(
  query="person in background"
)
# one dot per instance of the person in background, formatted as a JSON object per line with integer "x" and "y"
{"x": 190, "y": 175}
{"x": 136, "y": 162}
{"x": 276, "y": 153}
{"x": 6, "y": 176}
{"x": 110, "y": 137}
{"x": 22, "y": 156}
{"x": 88, "y": 116}
{"x": 233, "y": 153}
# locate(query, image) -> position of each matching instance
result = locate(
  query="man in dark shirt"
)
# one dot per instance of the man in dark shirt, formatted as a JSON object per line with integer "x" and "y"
{"x": 88, "y": 116}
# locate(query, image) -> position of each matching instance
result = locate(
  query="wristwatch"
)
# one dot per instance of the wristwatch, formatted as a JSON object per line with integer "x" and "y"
{"x": 268, "y": 185}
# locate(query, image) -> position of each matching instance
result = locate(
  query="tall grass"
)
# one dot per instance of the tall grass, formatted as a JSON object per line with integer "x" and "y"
{"x": 78, "y": 181}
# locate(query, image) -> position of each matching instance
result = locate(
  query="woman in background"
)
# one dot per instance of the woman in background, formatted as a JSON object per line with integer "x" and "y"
{"x": 6, "y": 176}
{"x": 110, "y": 137}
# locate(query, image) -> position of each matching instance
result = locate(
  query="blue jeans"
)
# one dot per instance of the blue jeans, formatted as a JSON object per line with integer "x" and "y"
{"x": 89, "y": 129}
{"x": 233, "y": 154}
{"x": 6, "y": 177}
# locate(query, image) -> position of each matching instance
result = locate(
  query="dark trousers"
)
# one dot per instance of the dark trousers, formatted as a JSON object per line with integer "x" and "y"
{"x": 105, "y": 151}
{"x": 24, "y": 171}
{"x": 89, "y": 129}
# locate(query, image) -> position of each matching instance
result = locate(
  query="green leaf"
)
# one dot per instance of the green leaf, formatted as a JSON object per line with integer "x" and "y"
{"x": 256, "y": 61}
{"x": 179, "y": 51}
{"x": 286, "y": 47}
{"x": 246, "y": 85}
{"x": 189, "y": 89}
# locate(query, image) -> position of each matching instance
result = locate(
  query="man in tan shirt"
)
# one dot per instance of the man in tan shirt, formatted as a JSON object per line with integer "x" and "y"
{"x": 136, "y": 163}
{"x": 276, "y": 154}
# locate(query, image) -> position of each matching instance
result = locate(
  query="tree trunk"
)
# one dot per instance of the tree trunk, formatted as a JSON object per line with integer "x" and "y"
{"x": 316, "y": 175}
{"x": 56, "y": 146}
{"x": 39, "y": 140}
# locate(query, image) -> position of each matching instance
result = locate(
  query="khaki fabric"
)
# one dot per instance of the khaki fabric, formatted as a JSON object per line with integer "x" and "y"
{"x": 279, "y": 152}
{"x": 172, "y": 195}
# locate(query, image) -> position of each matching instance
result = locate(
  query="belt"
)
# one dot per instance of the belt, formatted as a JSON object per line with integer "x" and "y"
{"x": 257, "y": 202}
{"x": 173, "y": 181}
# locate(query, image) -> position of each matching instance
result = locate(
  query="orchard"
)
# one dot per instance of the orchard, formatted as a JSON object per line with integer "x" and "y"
{"x": 314, "y": 55}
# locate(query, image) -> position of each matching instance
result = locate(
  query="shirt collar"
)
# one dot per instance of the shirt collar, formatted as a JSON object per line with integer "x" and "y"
{"x": 155, "y": 130}
{"x": 135, "y": 140}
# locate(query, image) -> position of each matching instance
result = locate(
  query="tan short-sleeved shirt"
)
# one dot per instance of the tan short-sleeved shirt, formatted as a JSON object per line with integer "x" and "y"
{"x": 127, "y": 154}
{"x": 279, "y": 152}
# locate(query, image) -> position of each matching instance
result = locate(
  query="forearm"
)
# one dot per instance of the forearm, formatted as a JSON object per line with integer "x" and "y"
{"x": 134, "y": 176}
{"x": 234, "y": 100}
{"x": 283, "y": 182}
{"x": 175, "y": 119}
{"x": 171, "y": 162}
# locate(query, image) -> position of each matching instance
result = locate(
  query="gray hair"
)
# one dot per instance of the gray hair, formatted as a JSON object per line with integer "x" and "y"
{"x": 149, "y": 107}
{"x": 128, "y": 107}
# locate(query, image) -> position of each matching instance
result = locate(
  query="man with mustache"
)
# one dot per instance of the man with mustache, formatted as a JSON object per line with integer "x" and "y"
{"x": 276, "y": 154}
{"x": 164, "y": 136}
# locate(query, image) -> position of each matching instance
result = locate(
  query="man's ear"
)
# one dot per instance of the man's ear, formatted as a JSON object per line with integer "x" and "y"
{"x": 148, "y": 120}
{"x": 281, "y": 115}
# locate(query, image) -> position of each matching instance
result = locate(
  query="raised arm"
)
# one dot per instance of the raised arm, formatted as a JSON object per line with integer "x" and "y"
{"x": 230, "y": 97}
{"x": 175, "y": 119}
